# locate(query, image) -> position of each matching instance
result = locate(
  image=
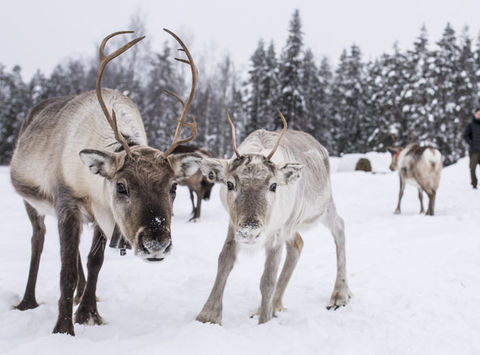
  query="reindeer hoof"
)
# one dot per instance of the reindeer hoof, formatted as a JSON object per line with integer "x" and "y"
{"x": 340, "y": 298}
{"x": 88, "y": 316}
{"x": 24, "y": 305}
{"x": 397, "y": 211}
{"x": 193, "y": 220}
{"x": 64, "y": 327}
{"x": 209, "y": 317}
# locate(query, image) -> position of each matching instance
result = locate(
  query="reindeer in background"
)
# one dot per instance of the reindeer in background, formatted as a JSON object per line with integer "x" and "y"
{"x": 277, "y": 185}
{"x": 420, "y": 167}
{"x": 197, "y": 183}
{"x": 72, "y": 163}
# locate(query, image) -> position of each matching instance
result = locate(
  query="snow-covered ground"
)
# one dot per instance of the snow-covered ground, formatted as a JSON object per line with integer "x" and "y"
{"x": 415, "y": 279}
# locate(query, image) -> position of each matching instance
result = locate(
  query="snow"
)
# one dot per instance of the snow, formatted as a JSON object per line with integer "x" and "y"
{"x": 415, "y": 279}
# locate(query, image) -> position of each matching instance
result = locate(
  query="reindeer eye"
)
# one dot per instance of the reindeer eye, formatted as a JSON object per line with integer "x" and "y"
{"x": 230, "y": 185}
{"x": 211, "y": 176}
{"x": 121, "y": 189}
{"x": 273, "y": 187}
{"x": 173, "y": 189}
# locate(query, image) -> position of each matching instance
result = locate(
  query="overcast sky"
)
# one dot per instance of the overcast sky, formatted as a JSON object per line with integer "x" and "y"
{"x": 39, "y": 34}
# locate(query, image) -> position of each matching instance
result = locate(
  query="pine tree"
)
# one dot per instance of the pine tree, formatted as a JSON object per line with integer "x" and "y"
{"x": 292, "y": 102}
{"x": 310, "y": 88}
{"x": 348, "y": 104}
{"x": 256, "y": 80}
{"x": 15, "y": 101}
{"x": 447, "y": 128}
{"x": 323, "y": 122}
{"x": 270, "y": 90}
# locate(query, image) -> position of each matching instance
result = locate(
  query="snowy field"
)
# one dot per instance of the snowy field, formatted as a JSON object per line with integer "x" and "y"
{"x": 415, "y": 279}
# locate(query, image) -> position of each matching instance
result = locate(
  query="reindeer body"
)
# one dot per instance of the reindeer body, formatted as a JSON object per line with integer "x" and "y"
{"x": 302, "y": 199}
{"x": 85, "y": 158}
{"x": 420, "y": 167}
{"x": 297, "y": 206}
{"x": 197, "y": 183}
{"x": 57, "y": 130}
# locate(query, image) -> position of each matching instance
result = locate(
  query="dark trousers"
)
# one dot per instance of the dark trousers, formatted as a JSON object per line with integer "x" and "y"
{"x": 474, "y": 161}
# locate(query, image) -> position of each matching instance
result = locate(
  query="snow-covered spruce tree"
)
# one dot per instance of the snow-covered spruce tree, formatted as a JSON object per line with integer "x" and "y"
{"x": 161, "y": 110}
{"x": 256, "y": 78}
{"x": 292, "y": 103}
{"x": 446, "y": 129}
{"x": 396, "y": 96}
{"x": 420, "y": 89}
{"x": 348, "y": 104}
{"x": 310, "y": 88}
{"x": 466, "y": 84}
{"x": 382, "y": 124}
{"x": 270, "y": 89}
{"x": 238, "y": 113}
{"x": 323, "y": 122}
{"x": 477, "y": 70}
{"x": 15, "y": 101}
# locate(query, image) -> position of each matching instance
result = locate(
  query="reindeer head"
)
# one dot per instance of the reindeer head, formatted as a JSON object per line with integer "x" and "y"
{"x": 140, "y": 180}
{"x": 395, "y": 151}
{"x": 253, "y": 182}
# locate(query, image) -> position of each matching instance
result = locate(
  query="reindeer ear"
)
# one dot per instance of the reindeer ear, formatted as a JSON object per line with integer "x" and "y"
{"x": 184, "y": 165}
{"x": 289, "y": 173}
{"x": 214, "y": 169}
{"x": 99, "y": 162}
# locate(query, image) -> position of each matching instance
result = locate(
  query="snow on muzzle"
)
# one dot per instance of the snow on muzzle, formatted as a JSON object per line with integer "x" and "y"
{"x": 248, "y": 232}
{"x": 153, "y": 244}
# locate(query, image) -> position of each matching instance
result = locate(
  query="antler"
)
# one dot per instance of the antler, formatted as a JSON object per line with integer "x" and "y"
{"x": 285, "y": 126}
{"x": 103, "y": 61}
{"x": 234, "y": 140}
{"x": 186, "y": 105}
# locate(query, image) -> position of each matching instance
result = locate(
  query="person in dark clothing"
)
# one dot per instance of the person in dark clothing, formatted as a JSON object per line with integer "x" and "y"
{"x": 472, "y": 137}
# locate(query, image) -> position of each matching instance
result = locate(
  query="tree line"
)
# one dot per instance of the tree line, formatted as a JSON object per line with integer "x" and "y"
{"x": 424, "y": 94}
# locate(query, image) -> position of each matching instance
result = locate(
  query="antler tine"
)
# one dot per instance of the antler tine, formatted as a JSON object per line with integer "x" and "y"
{"x": 234, "y": 139}
{"x": 103, "y": 61}
{"x": 285, "y": 126}
{"x": 186, "y": 105}
{"x": 171, "y": 93}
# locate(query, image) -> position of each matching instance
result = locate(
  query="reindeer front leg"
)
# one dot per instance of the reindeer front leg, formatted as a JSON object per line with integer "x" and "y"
{"x": 69, "y": 229}
{"x": 341, "y": 292}
{"x": 294, "y": 249}
{"x": 268, "y": 282}
{"x": 87, "y": 312}
{"x": 212, "y": 310}
{"x": 400, "y": 195}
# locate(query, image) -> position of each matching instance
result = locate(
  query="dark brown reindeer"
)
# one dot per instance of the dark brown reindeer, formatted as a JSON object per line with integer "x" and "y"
{"x": 418, "y": 166}
{"x": 72, "y": 163}
{"x": 198, "y": 183}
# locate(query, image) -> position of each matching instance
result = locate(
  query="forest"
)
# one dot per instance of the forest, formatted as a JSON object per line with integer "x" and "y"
{"x": 425, "y": 94}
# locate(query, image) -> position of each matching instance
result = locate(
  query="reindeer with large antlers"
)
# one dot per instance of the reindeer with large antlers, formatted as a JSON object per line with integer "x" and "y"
{"x": 277, "y": 185}
{"x": 72, "y": 163}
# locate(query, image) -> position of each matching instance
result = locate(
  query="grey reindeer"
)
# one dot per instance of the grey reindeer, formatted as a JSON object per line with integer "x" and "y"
{"x": 420, "y": 166}
{"x": 273, "y": 189}
{"x": 71, "y": 163}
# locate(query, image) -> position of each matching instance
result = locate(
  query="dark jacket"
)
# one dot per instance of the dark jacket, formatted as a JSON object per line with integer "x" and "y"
{"x": 472, "y": 135}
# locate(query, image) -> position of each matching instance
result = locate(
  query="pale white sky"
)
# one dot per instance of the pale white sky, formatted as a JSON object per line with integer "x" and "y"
{"x": 38, "y": 34}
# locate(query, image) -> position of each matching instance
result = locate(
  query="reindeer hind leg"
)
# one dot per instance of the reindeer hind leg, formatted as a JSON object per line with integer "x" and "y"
{"x": 38, "y": 237}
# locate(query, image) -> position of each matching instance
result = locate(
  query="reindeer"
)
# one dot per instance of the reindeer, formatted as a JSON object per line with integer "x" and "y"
{"x": 71, "y": 163}
{"x": 197, "y": 183}
{"x": 273, "y": 189}
{"x": 420, "y": 167}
